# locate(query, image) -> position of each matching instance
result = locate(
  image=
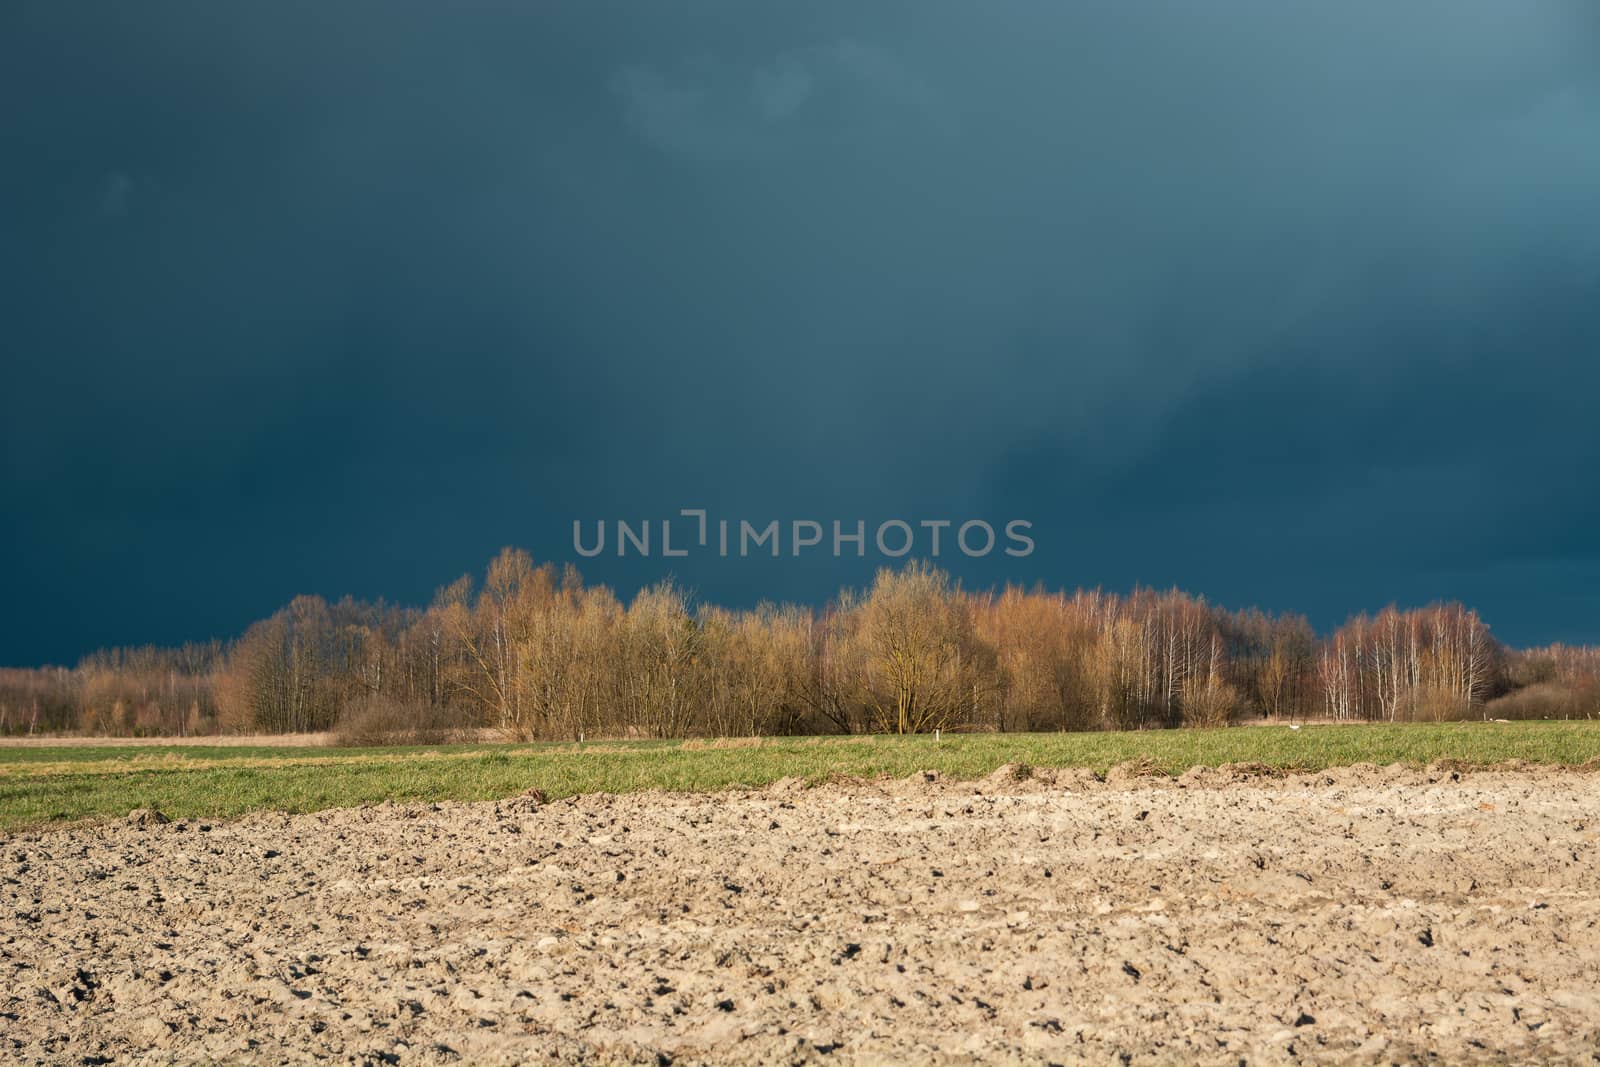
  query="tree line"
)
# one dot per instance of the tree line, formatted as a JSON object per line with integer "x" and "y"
{"x": 533, "y": 652}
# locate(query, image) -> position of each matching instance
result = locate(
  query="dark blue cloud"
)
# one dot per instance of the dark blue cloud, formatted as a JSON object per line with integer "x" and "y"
{"x": 1287, "y": 305}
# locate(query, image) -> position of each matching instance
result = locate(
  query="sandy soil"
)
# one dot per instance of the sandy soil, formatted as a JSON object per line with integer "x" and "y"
{"x": 1364, "y": 915}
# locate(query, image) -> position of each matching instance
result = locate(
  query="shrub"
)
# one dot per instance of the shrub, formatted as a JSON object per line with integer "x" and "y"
{"x": 379, "y": 720}
{"x": 1210, "y": 705}
{"x": 1545, "y": 700}
{"x": 1428, "y": 703}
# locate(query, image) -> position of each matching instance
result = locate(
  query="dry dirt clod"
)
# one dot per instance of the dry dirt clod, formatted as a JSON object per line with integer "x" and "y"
{"x": 143, "y": 817}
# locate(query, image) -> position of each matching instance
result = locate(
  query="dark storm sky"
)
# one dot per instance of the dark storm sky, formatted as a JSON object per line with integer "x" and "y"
{"x": 1295, "y": 305}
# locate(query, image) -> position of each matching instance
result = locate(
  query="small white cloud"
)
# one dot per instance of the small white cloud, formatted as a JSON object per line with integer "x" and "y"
{"x": 115, "y": 189}
{"x": 882, "y": 72}
{"x": 782, "y": 89}
{"x": 660, "y": 111}
{"x": 720, "y": 112}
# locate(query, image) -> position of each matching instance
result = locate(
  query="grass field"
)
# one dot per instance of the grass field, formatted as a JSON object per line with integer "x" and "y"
{"x": 40, "y": 785}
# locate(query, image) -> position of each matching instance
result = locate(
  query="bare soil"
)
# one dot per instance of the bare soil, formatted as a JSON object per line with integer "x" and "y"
{"x": 1364, "y": 915}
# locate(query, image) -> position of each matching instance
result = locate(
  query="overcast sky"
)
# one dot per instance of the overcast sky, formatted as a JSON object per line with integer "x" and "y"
{"x": 1295, "y": 305}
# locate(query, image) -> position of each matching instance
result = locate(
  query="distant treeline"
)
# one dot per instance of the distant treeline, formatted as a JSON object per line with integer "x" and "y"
{"x": 535, "y": 653}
